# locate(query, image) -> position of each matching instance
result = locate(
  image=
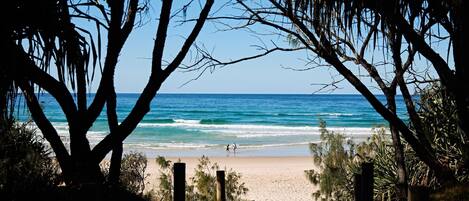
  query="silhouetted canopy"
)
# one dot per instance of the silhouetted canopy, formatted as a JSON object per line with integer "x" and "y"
{"x": 45, "y": 31}
{"x": 354, "y": 14}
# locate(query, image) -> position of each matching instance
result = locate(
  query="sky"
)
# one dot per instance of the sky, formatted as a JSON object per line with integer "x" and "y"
{"x": 266, "y": 75}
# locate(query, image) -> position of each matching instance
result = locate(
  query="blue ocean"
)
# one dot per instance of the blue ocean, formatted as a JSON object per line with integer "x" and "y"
{"x": 259, "y": 124}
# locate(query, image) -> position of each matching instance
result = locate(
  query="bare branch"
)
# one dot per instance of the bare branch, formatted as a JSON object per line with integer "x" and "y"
{"x": 156, "y": 79}
{"x": 46, "y": 127}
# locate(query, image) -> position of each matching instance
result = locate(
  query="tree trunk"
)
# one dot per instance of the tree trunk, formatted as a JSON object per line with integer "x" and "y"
{"x": 115, "y": 168}
{"x": 402, "y": 177}
{"x": 116, "y": 158}
{"x": 422, "y": 152}
{"x": 399, "y": 154}
{"x": 86, "y": 171}
{"x": 460, "y": 43}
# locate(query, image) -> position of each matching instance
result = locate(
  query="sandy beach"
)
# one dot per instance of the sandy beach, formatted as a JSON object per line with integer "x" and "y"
{"x": 268, "y": 178}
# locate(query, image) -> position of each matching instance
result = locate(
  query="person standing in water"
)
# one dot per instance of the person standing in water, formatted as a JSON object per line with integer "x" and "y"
{"x": 234, "y": 147}
{"x": 228, "y": 147}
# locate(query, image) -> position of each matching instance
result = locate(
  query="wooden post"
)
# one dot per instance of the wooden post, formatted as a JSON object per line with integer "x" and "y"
{"x": 357, "y": 186}
{"x": 221, "y": 195}
{"x": 179, "y": 174}
{"x": 418, "y": 193}
{"x": 367, "y": 182}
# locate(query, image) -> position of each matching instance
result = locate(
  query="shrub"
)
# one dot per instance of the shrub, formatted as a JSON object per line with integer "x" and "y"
{"x": 339, "y": 159}
{"x": 335, "y": 165}
{"x": 26, "y": 169}
{"x": 133, "y": 175}
{"x": 379, "y": 150}
{"x": 437, "y": 112}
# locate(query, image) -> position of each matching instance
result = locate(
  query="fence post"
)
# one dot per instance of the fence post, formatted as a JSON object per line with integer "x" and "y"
{"x": 357, "y": 186}
{"x": 367, "y": 182}
{"x": 179, "y": 178}
{"x": 221, "y": 195}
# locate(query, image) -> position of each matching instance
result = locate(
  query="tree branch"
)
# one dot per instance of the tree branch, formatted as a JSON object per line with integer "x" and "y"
{"x": 57, "y": 89}
{"x": 116, "y": 40}
{"x": 47, "y": 129}
{"x": 156, "y": 79}
{"x": 440, "y": 65}
{"x": 190, "y": 40}
{"x": 324, "y": 49}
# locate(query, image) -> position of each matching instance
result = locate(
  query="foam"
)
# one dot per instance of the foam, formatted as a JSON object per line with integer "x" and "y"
{"x": 336, "y": 114}
{"x": 275, "y": 145}
{"x": 170, "y": 145}
{"x": 251, "y": 131}
{"x": 228, "y": 131}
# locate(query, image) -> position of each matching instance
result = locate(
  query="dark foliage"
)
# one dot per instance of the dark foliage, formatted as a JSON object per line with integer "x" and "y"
{"x": 26, "y": 169}
{"x": 133, "y": 175}
{"x": 346, "y": 35}
{"x": 66, "y": 35}
{"x": 29, "y": 172}
{"x": 338, "y": 159}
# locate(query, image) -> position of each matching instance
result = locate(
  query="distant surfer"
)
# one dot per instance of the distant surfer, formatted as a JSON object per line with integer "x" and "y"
{"x": 234, "y": 147}
{"x": 228, "y": 147}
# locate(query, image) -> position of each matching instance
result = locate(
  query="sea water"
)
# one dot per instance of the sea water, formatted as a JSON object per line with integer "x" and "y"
{"x": 260, "y": 124}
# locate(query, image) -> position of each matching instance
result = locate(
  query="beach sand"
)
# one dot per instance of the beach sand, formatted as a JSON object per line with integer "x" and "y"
{"x": 268, "y": 178}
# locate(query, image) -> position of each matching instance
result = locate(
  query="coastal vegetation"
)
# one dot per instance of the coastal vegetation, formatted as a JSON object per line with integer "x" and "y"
{"x": 28, "y": 171}
{"x": 202, "y": 185}
{"x": 133, "y": 172}
{"x": 327, "y": 30}
{"x": 335, "y": 166}
{"x": 339, "y": 158}
{"x": 46, "y": 36}
{"x": 420, "y": 43}
{"x": 25, "y": 164}
{"x": 393, "y": 47}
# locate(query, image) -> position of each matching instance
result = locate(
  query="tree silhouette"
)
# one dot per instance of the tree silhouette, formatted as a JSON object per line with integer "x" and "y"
{"x": 42, "y": 35}
{"x": 346, "y": 36}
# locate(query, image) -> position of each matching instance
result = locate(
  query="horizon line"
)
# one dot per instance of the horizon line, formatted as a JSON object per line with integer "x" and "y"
{"x": 241, "y": 93}
{"x": 228, "y": 93}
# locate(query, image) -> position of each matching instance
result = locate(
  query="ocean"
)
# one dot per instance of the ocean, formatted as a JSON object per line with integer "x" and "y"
{"x": 260, "y": 124}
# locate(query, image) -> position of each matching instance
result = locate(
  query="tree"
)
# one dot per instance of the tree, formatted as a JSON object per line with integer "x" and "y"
{"x": 26, "y": 170}
{"x": 347, "y": 36}
{"x": 337, "y": 167}
{"x": 44, "y": 36}
{"x": 335, "y": 162}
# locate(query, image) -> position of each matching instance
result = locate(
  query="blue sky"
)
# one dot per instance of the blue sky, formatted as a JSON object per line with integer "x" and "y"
{"x": 263, "y": 75}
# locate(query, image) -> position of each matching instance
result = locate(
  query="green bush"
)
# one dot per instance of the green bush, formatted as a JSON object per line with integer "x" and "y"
{"x": 335, "y": 165}
{"x": 338, "y": 159}
{"x": 438, "y": 113}
{"x": 26, "y": 169}
{"x": 379, "y": 150}
{"x": 133, "y": 172}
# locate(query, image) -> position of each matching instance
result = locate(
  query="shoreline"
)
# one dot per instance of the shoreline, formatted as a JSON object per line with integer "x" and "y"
{"x": 293, "y": 150}
{"x": 267, "y": 178}
{"x": 273, "y": 151}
